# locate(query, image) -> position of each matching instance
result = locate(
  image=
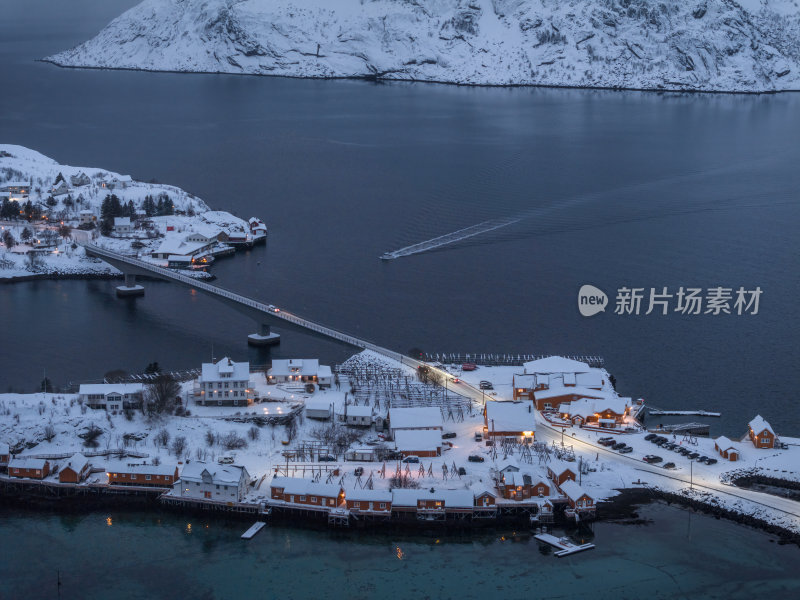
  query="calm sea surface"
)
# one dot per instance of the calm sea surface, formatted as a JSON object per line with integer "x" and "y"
{"x": 613, "y": 189}
{"x": 673, "y": 554}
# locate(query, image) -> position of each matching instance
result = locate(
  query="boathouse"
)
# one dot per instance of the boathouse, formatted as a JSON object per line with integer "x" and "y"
{"x": 521, "y": 486}
{"x": 213, "y": 482}
{"x": 32, "y": 468}
{"x": 486, "y": 499}
{"x": 726, "y": 448}
{"x": 306, "y": 493}
{"x": 76, "y": 469}
{"x": 558, "y": 473}
{"x": 580, "y": 503}
{"x": 761, "y": 433}
{"x": 369, "y": 502}
{"x": 156, "y": 476}
{"x": 510, "y": 420}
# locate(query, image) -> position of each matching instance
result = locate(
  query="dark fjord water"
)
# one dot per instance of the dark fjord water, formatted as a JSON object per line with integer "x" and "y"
{"x": 674, "y": 554}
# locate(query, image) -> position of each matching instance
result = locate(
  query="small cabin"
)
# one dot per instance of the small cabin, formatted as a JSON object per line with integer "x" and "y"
{"x": 5, "y": 454}
{"x": 485, "y": 499}
{"x": 32, "y": 468}
{"x": 163, "y": 476}
{"x": 521, "y": 486}
{"x": 76, "y": 469}
{"x": 559, "y": 475}
{"x": 726, "y": 448}
{"x": 295, "y": 490}
{"x": 578, "y": 500}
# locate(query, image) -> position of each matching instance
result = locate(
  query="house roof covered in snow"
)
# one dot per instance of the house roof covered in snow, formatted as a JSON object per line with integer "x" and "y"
{"x": 724, "y": 443}
{"x": 307, "y": 367}
{"x": 77, "y": 462}
{"x": 585, "y": 407}
{"x": 23, "y": 462}
{"x": 233, "y": 371}
{"x": 572, "y": 490}
{"x": 122, "y": 221}
{"x": 510, "y": 416}
{"x": 412, "y": 440}
{"x": 305, "y": 487}
{"x": 369, "y": 495}
{"x": 359, "y": 411}
{"x": 143, "y": 469}
{"x": 219, "y": 474}
{"x": 111, "y": 388}
{"x": 318, "y": 404}
{"x": 760, "y": 424}
{"x": 417, "y": 417}
{"x": 177, "y": 244}
{"x": 525, "y": 382}
{"x": 555, "y": 364}
{"x": 451, "y": 498}
{"x": 556, "y": 391}
{"x": 4, "y": 449}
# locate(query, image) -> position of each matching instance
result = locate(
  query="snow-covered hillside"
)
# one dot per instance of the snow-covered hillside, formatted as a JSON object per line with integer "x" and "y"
{"x": 750, "y": 45}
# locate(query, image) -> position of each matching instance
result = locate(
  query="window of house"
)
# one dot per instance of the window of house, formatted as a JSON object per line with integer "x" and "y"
{"x": 383, "y": 504}
{"x": 147, "y": 477}
{"x": 313, "y": 498}
{"x": 302, "y": 498}
{"x": 356, "y": 505}
{"x": 765, "y": 440}
{"x": 331, "y": 501}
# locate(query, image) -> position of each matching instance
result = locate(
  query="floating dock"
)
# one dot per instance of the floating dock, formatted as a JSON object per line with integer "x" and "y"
{"x": 254, "y": 529}
{"x": 696, "y": 413}
{"x": 565, "y": 546}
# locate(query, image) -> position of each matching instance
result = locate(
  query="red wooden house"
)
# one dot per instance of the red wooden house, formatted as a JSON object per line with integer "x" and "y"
{"x": 761, "y": 433}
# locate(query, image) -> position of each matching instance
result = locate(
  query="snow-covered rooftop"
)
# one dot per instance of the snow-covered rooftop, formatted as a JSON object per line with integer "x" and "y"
{"x": 304, "y": 487}
{"x": 306, "y": 367}
{"x": 234, "y": 371}
{"x": 725, "y": 443}
{"x": 412, "y": 440}
{"x": 556, "y": 391}
{"x": 359, "y": 411}
{"x": 77, "y": 462}
{"x": 555, "y": 364}
{"x": 417, "y": 417}
{"x": 220, "y": 474}
{"x": 109, "y": 388}
{"x": 572, "y": 490}
{"x": 760, "y": 424}
{"x": 510, "y": 416}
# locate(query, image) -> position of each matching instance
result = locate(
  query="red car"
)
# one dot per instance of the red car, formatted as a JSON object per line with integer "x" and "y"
{"x": 469, "y": 366}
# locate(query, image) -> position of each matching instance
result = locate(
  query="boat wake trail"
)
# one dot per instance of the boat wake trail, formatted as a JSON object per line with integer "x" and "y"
{"x": 451, "y": 238}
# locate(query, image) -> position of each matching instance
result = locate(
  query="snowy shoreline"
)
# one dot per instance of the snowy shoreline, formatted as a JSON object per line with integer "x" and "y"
{"x": 391, "y": 80}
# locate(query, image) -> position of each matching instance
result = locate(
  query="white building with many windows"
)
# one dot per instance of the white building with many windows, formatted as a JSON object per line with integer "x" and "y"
{"x": 224, "y": 383}
{"x": 226, "y": 483}
{"x": 300, "y": 370}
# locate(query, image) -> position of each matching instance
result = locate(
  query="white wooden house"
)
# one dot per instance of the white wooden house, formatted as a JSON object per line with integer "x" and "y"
{"x": 360, "y": 416}
{"x": 113, "y": 397}
{"x": 224, "y": 383}
{"x": 226, "y": 483}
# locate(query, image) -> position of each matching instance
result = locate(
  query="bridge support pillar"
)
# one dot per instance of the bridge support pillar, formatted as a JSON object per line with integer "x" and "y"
{"x": 264, "y": 337}
{"x": 130, "y": 287}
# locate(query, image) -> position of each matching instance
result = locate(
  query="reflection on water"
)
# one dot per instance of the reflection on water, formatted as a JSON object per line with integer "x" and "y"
{"x": 663, "y": 556}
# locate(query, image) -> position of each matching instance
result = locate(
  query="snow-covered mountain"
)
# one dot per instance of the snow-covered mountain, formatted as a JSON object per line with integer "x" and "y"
{"x": 750, "y": 45}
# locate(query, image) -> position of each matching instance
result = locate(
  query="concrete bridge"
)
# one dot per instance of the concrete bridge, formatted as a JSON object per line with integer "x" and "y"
{"x": 265, "y": 315}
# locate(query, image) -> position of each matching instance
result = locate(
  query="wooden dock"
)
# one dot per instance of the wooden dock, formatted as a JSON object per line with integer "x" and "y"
{"x": 253, "y": 530}
{"x": 565, "y": 546}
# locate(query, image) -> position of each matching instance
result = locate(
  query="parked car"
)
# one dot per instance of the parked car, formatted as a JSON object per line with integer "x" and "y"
{"x": 661, "y": 441}
{"x": 475, "y": 458}
{"x": 619, "y": 446}
{"x": 326, "y": 458}
{"x": 392, "y": 455}
{"x": 669, "y": 445}
{"x": 692, "y": 455}
{"x": 469, "y": 367}
{"x": 478, "y": 436}
{"x": 462, "y": 471}
{"x": 650, "y": 437}
{"x": 702, "y": 459}
{"x": 359, "y": 471}
{"x": 606, "y": 442}
{"x": 685, "y": 451}
{"x": 486, "y": 385}
{"x": 411, "y": 459}
{"x": 448, "y": 435}
{"x": 626, "y": 450}
{"x": 608, "y": 437}
{"x": 711, "y": 461}
{"x": 652, "y": 459}
{"x": 669, "y": 465}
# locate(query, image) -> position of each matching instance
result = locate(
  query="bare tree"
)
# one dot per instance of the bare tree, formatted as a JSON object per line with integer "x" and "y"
{"x": 178, "y": 446}
{"x": 253, "y": 433}
{"x": 232, "y": 441}
{"x": 49, "y": 432}
{"x": 160, "y": 395}
{"x": 161, "y": 438}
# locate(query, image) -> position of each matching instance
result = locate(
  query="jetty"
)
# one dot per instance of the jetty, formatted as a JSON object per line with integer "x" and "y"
{"x": 683, "y": 413}
{"x": 564, "y": 545}
{"x": 253, "y": 530}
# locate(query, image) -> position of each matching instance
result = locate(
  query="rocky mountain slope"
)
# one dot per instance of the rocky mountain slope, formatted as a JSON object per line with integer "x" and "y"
{"x": 721, "y": 45}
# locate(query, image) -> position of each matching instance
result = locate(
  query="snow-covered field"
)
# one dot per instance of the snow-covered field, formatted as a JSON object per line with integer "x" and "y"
{"x": 85, "y": 189}
{"x": 721, "y": 45}
{"x": 604, "y": 472}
